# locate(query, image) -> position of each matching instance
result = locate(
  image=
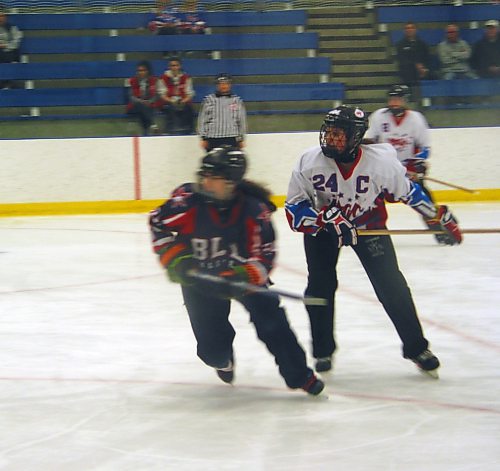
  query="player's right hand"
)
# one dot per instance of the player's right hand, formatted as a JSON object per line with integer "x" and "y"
{"x": 445, "y": 221}
{"x": 178, "y": 268}
{"x": 177, "y": 260}
{"x": 331, "y": 219}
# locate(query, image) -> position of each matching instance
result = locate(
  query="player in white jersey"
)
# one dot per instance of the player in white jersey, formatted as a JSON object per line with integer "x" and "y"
{"x": 407, "y": 131}
{"x": 338, "y": 187}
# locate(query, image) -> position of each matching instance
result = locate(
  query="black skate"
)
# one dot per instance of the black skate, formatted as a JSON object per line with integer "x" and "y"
{"x": 226, "y": 373}
{"x": 313, "y": 385}
{"x": 428, "y": 363}
{"x": 323, "y": 364}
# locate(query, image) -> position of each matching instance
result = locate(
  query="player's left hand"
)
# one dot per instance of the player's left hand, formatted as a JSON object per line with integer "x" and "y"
{"x": 416, "y": 169}
{"x": 445, "y": 221}
{"x": 246, "y": 273}
{"x": 331, "y": 219}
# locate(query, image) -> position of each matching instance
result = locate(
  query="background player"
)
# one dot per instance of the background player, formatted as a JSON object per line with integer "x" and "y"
{"x": 338, "y": 187}
{"x": 222, "y": 226}
{"x": 408, "y": 132}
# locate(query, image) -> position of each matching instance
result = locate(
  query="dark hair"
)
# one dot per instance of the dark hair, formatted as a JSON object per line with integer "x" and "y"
{"x": 175, "y": 58}
{"x": 146, "y": 65}
{"x": 258, "y": 191}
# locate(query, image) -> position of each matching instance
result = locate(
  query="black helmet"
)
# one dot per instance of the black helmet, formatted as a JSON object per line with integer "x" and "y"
{"x": 226, "y": 161}
{"x": 399, "y": 90}
{"x": 223, "y": 77}
{"x": 354, "y": 122}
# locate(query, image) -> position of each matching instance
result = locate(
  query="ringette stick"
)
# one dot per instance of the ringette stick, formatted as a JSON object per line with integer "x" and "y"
{"x": 368, "y": 232}
{"x": 451, "y": 185}
{"x": 307, "y": 300}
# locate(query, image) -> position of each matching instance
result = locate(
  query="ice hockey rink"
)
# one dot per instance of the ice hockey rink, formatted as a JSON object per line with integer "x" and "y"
{"x": 98, "y": 367}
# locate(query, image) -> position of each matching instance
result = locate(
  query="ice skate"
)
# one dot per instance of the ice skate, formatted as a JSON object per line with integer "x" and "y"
{"x": 226, "y": 373}
{"x": 323, "y": 364}
{"x": 428, "y": 363}
{"x": 313, "y": 385}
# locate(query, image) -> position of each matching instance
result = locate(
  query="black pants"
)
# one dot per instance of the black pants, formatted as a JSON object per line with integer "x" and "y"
{"x": 145, "y": 114}
{"x": 379, "y": 260}
{"x": 7, "y": 57}
{"x": 214, "y": 142}
{"x": 179, "y": 119}
{"x": 214, "y": 333}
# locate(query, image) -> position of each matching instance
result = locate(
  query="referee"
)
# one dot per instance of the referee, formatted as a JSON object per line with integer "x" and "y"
{"x": 222, "y": 117}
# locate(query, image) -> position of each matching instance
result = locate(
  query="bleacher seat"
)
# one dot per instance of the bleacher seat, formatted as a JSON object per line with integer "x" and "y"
{"x": 74, "y": 21}
{"x": 438, "y": 13}
{"x": 96, "y": 96}
{"x": 431, "y": 89}
{"x": 108, "y": 100}
{"x": 195, "y": 67}
{"x": 210, "y": 42}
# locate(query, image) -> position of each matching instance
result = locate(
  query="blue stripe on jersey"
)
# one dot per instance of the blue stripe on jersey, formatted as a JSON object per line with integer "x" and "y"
{"x": 423, "y": 154}
{"x": 302, "y": 217}
{"x": 419, "y": 201}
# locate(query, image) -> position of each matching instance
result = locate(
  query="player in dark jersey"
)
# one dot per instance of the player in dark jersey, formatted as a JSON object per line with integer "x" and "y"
{"x": 221, "y": 226}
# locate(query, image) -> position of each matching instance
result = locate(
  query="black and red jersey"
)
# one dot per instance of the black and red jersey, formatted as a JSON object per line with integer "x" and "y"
{"x": 217, "y": 238}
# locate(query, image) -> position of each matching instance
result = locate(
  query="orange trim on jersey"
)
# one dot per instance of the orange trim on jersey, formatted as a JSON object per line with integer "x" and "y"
{"x": 171, "y": 253}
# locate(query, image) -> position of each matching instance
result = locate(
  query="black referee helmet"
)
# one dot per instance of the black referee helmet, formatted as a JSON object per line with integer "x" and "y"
{"x": 399, "y": 90}
{"x": 223, "y": 77}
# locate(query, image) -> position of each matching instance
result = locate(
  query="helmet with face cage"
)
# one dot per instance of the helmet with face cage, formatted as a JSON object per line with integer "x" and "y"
{"x": 354, "y": 122}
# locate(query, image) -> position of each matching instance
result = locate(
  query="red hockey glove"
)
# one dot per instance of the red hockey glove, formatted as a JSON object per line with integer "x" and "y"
{"x": 445, "y": 221}
{"x": 416, "y": 169}
{"x": 332, "y": 220}
{"x": 249, "y": 273}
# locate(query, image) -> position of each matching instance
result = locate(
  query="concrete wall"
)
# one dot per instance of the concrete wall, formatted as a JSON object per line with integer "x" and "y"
{"x": 118, "y": 169}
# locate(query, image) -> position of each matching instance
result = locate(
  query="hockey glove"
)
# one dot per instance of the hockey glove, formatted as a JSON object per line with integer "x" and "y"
{"x": 445, "y": 221}
{"x": 332, "y": 220}
{"x": 248, "y": 273}
{"x": 416, "y": 169}
{"x": 178, "y": 261}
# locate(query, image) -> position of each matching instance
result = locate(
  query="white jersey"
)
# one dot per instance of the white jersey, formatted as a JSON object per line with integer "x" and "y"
{"x": 317, "y": 181}
{"x": 409, "y": 134}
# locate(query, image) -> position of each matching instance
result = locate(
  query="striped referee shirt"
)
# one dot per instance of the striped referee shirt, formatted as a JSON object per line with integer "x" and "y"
{"x": 222, "y": 116}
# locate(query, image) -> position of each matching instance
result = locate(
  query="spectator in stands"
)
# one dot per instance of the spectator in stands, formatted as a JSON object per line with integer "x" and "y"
{"x": 145, "y": 97}
{"x": 171, "y": 20}
{"x": 454, "y": 54}
{"x": 222, "y": 118}
{"x": 191, "y": 20}
{"x": 178, "y": 99}
{"x": 413, "y": 56}
{"x": 167, "y": 19}
{"x": 10, "y": 39}
{"x": 485, "y": 59}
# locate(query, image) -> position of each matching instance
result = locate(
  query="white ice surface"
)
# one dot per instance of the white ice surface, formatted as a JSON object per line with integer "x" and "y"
{"x": 98, "y": 368}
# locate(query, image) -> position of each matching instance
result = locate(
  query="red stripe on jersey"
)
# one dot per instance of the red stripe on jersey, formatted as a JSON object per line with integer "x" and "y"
{"x": 233, "y": 217}
{"x": 347, "y": 172}
{"x": 254, "y": 240}
{"x": 182, "y": 222}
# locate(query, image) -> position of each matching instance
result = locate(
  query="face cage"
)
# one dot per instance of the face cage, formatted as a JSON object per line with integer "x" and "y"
{"x": 210, "y": 197}
{"x": 349, "y": 154}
